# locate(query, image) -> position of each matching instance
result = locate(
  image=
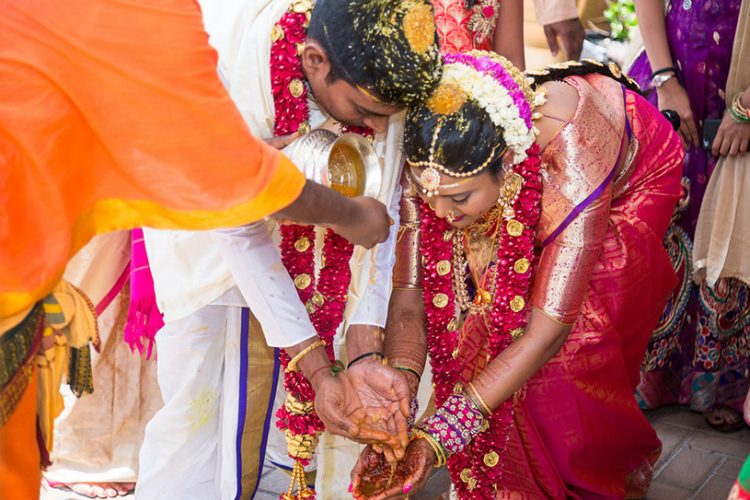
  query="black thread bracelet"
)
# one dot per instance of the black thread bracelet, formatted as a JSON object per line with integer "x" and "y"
{"x": 409, "y": 370}
{"x": 363, "y": 356}
{"x": 668, "y": 69}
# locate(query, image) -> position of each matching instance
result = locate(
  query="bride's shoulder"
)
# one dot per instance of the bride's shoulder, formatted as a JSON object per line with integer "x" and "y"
{"x": 559, "y": 109}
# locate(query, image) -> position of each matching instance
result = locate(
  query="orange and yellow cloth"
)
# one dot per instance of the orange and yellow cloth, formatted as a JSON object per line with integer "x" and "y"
{"x": 111, "y": 117}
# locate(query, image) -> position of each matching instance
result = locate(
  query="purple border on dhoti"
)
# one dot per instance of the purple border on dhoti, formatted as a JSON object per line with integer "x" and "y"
{"x": 242, "y": 396}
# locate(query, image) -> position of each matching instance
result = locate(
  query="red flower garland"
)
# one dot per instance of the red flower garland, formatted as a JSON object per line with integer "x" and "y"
{"x": 332, "y": 288}
{"x": 291, "y": 110}
{"x": 326, "y": 299}
{"x": 436, "y": 247}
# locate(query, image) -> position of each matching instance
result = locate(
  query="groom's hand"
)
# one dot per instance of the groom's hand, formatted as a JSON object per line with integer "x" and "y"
{"x": 339, "y": 407}
{"x": 384, "y": 393}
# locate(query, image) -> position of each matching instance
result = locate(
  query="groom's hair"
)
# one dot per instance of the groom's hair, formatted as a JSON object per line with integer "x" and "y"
{"x": 388, "y": 47}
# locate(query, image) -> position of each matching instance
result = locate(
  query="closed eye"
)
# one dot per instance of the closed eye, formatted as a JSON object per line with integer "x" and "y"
{"x": 460, "y": 201}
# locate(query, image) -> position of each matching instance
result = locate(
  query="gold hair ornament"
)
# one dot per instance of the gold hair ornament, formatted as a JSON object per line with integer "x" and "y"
{"x": 429, "y": 179}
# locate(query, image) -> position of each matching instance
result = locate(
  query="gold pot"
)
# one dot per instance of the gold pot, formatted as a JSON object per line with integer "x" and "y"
{"x": 346, "y": 163}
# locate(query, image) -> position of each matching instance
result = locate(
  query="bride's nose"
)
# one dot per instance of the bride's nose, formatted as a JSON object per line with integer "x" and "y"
{"x": 441, "y": 206}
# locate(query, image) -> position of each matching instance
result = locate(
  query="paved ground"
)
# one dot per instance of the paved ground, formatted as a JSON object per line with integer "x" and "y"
{"x": 697, "y": 463}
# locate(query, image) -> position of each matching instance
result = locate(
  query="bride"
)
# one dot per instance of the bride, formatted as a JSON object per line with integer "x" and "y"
{"x": 531, "y": 268}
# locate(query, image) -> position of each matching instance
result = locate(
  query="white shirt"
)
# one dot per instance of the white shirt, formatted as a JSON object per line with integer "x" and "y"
{"x": 242, "y": 267}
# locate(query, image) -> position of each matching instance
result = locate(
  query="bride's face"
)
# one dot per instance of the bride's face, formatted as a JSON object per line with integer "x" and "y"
{"x": 464, "y": 201}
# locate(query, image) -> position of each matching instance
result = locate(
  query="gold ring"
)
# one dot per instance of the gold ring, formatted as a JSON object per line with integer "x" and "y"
{"x": 391, "y": 221}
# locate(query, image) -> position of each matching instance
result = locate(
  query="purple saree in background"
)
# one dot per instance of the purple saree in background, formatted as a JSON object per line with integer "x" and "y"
{"x": 698, "y": 355}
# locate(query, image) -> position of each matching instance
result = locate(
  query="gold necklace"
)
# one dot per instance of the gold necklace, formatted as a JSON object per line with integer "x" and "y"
{"x": 484, "y": 295}
{"x": 483, "y": 298}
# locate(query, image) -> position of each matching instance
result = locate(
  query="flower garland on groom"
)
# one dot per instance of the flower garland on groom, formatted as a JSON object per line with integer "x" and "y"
{"x": 325, "y": 296}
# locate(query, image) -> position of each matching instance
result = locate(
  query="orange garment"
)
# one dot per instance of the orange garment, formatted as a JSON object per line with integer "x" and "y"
{"x": 112, "y": 116}
{"x": 20, "y": 474}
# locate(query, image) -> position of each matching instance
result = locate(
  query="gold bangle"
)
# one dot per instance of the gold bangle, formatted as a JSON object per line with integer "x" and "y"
{"x": 292, "y": 365}
{"x": 434, "y": 444}
{"x": 477, "y": 400}
{"x": 737, "y": 111}
{"x": 737, "y": 103}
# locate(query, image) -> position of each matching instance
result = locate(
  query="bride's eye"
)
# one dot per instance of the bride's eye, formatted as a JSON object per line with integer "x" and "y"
{"x": 461, "y": 201}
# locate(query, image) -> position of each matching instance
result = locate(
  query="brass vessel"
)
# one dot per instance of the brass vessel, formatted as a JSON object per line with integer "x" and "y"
{"x": 346, "y": 163}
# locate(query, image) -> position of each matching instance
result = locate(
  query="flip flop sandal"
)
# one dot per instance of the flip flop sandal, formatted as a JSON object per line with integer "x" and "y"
{"x": 723, "y": 425}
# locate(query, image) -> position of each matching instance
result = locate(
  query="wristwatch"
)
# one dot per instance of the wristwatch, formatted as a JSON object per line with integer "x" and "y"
{"x": 659, "y": 80}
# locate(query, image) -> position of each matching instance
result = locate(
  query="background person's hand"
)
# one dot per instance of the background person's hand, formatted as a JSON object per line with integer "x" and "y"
{"x": 732, "y": 138}
{"x": 672, "y": 95}
{"x": 369, "y": 225}
{"x": 282, "y": 141}
{"x": 568, "y": 33}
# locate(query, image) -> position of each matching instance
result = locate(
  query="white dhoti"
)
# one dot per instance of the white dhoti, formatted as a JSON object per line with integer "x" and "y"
{"x": 98, "y": 436}
{"x": 218, "y": 379}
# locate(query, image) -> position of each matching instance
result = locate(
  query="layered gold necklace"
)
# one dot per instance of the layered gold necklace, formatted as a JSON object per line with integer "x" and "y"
{"x": 476, "y": 246}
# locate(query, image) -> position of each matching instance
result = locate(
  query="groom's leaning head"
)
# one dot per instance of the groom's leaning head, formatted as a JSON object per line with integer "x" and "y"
{"x": 368, "y": 59}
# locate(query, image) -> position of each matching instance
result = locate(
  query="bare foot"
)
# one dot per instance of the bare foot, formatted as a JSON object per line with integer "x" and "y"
{"x": 97, "y": 490}
{"x": 724, "y": 418}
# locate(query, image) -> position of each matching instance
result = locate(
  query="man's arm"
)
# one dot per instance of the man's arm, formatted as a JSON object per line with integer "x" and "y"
{"x": 270, "y": 293}
{"x": 380, "y": 387}
{"x": 362, "y": 220}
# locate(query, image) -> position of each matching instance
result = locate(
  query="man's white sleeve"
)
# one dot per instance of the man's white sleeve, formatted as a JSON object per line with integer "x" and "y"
{"x": 372, "y": 308}
{"x": 264, "y": 282}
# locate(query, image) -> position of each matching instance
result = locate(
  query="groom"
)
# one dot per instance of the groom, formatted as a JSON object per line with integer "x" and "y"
{"x": 227, "y": 301}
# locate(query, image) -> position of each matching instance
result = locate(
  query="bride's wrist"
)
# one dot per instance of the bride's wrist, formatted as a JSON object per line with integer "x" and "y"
{"x": 439, "y": 456}
{"x": 455, "y": 424}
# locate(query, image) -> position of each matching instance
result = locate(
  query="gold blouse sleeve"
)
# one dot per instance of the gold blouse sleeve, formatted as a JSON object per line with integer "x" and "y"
{"x": 407, "y": 272}
{"x": 567, "y": 263}
{"x": 578, "y": 167}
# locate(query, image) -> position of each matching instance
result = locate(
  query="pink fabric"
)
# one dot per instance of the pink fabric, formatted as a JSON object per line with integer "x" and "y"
{"x": 144, "y": 318}
{"x": 113, "y": 292}
{"x": 451, "y": 19}
{"x": 579, "y": 432}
